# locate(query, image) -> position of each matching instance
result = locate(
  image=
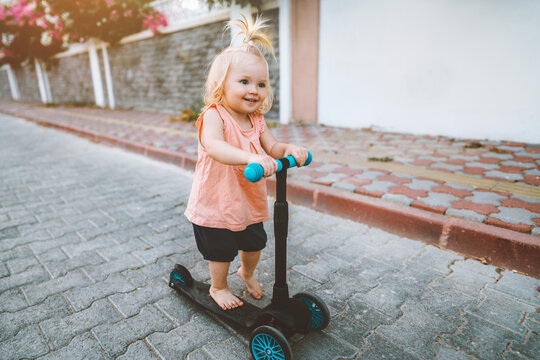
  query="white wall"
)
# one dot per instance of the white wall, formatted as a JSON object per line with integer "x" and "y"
{"x": 464, "y": 68}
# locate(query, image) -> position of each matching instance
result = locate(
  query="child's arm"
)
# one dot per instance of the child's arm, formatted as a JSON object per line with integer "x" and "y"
{"x": 278, "y": 150}
{"x": 218, "y": 149}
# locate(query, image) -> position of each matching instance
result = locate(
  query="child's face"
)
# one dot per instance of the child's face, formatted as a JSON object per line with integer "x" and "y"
{"x": 246, "y": 85}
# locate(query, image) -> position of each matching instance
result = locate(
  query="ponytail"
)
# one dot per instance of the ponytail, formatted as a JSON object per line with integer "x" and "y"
{"x": 252, "y": 33}
{"x": 255, "y": 42}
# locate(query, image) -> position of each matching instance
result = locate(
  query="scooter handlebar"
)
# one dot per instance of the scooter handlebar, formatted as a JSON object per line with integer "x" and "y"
{"x": 254, "y": 172}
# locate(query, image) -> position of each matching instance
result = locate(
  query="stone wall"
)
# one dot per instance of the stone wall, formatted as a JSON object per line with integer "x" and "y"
{"x": 164, "y": 73}
{"x": 70, "y": 80}
{"x": 27, "y": 82}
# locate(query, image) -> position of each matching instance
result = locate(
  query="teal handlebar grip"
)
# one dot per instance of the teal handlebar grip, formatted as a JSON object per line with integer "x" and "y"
{"x": 254, "y": 172}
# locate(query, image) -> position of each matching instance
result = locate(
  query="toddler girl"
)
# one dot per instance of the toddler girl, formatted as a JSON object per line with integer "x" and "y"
{"x": 225, "y": 209}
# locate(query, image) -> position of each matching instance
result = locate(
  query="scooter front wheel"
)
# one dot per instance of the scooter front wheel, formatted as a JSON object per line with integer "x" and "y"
{"x": 320, "y": 315}
{"x": 180, "y": 276}
{"x": 268, "y": 343}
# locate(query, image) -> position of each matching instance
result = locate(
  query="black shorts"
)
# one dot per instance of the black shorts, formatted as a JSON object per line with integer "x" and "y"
{"x": 223, "y": 244}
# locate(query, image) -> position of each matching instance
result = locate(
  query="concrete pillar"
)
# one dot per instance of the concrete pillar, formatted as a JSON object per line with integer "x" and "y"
{"x": 43, "y": 82}
{"x": 108, "y": 77}
{"x": 305, "y": 59}
{"x": 13, "y": 86}
{"x": 96, "y": 74}
{"x": 285, "y": 90}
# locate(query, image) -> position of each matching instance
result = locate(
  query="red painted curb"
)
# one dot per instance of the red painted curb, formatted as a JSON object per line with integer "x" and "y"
{"x": 498, "y": 246}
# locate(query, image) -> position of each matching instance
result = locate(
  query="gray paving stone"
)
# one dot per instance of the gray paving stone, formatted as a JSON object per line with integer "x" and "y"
{"x": 370, "y": 174}
{"x": 11, "y": 323}
{"x": 32, "y": 275}
{"x": 531, "y": 345}
{"x": 60, "y": 332}
{"x": 344, "y": 186}
{"x": 444, "y": 352}
{"x": 132, "y": 302}
{"x": 82, "y": 347}
{"x": 102, "y": 271}
{"x": 388, "y": 297}
{"x": 396, "y": 251}
{"x": 446, "y": 166}
{"x": 416, "y": 330}
{"x": 519, "y": 286}
{"x": 502, "y": 310}
{"x": 381, "y": 348}
{"x": 114, "y": 338}
{"x": 515, "y": 215}
{"x": 36, "y": 293}
{"x": 482, "y": 165}
{"x": 466, "y": 214}
{"x": 379, "y": 186}
{"x": 149, "y": 255}
{"x": 504, "y": 175}
{"x": 3, "y": 270}
{"x": 534, "y": 172}
{"x": 446, "y": 306}
{"x": 27, "y": 344}
{"x": 82, "y": 297}
{"x": 78, "y": 248}
{"x": 501, "y": 156}
{"x": 426, "y": 185}
{"x": 236, "y": 349}
{"x": 518, "y": 163}
{"x": 64, "y": 266}
{"x": 181, "y": 341}
{"x": 439, "y": 199}
{"x": 485, "y": 197}
{"x": 481, "y": 338}
{"x": 138, "y": 351}
{"x": 162, "y": 268}
{"x": 178, "y": 308}
{"x": 19, "y": 265}
{"x": 11, "y": 301}
{"x": 328, "y": 348}
{"x": 398, "y": 198}
{"x": 320, "y": 269}
{"x": 16, "y": 253}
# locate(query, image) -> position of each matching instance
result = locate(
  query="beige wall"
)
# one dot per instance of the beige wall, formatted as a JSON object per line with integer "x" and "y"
{"x": 305, "y": 59}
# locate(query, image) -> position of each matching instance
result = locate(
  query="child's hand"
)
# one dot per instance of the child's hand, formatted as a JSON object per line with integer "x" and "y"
{"x": 267, "y": 162}
{"x": 299, "y": 154}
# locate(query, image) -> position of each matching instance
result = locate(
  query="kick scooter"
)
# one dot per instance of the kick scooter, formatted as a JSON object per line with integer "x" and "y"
{"x": 285, "y": 315}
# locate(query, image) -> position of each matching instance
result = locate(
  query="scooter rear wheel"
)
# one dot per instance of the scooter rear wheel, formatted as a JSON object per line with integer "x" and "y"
{"x": 180, "y": 276}
{"x": 268, "y": 343}
{"x": 320, "y": 315}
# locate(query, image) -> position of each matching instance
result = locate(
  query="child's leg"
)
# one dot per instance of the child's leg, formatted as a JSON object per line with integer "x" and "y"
{"x": 219, "y": 291}
{"x": 250, "y": 259}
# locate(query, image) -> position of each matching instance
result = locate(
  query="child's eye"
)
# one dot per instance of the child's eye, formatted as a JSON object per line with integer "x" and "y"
{"x": 243, "y": 82}
{"x": 262, "y": 85}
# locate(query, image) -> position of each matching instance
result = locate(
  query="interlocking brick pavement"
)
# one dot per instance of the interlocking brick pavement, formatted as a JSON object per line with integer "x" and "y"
{"x": 88, "y": 278}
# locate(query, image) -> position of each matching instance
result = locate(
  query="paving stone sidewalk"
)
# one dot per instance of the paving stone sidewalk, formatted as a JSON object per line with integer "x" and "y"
{"x": 88, "y": 235}
{"x": 491, "y": 182}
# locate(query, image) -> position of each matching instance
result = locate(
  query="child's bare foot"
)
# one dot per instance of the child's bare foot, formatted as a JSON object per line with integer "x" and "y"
{"x": 253, "y": 286}
{"x": 225, "y": 298}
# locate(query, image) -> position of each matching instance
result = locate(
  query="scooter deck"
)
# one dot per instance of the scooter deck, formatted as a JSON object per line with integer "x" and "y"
{"x": 198, "y": 293}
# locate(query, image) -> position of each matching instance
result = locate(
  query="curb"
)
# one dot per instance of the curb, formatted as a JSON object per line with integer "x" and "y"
{"x": 490, "y": 244}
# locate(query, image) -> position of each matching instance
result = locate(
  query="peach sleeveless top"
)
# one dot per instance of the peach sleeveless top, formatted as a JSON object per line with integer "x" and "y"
{"x": 220, "y": 195}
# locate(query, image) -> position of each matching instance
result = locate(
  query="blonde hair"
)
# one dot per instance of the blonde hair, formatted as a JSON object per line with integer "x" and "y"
{"x": 255, "y": 42}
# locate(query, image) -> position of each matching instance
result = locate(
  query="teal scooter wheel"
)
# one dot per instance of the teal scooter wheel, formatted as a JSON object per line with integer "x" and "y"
{"x": 180, "y": 276}
{"x": 320, "y": 315}
{"x": 268, "y": 343}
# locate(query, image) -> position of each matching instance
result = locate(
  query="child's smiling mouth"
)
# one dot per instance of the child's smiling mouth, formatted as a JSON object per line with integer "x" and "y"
{"x": 251, "y": 100}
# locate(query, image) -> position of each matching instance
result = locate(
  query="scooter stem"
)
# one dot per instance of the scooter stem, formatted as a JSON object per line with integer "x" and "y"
{"x": 281, "y": 225}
